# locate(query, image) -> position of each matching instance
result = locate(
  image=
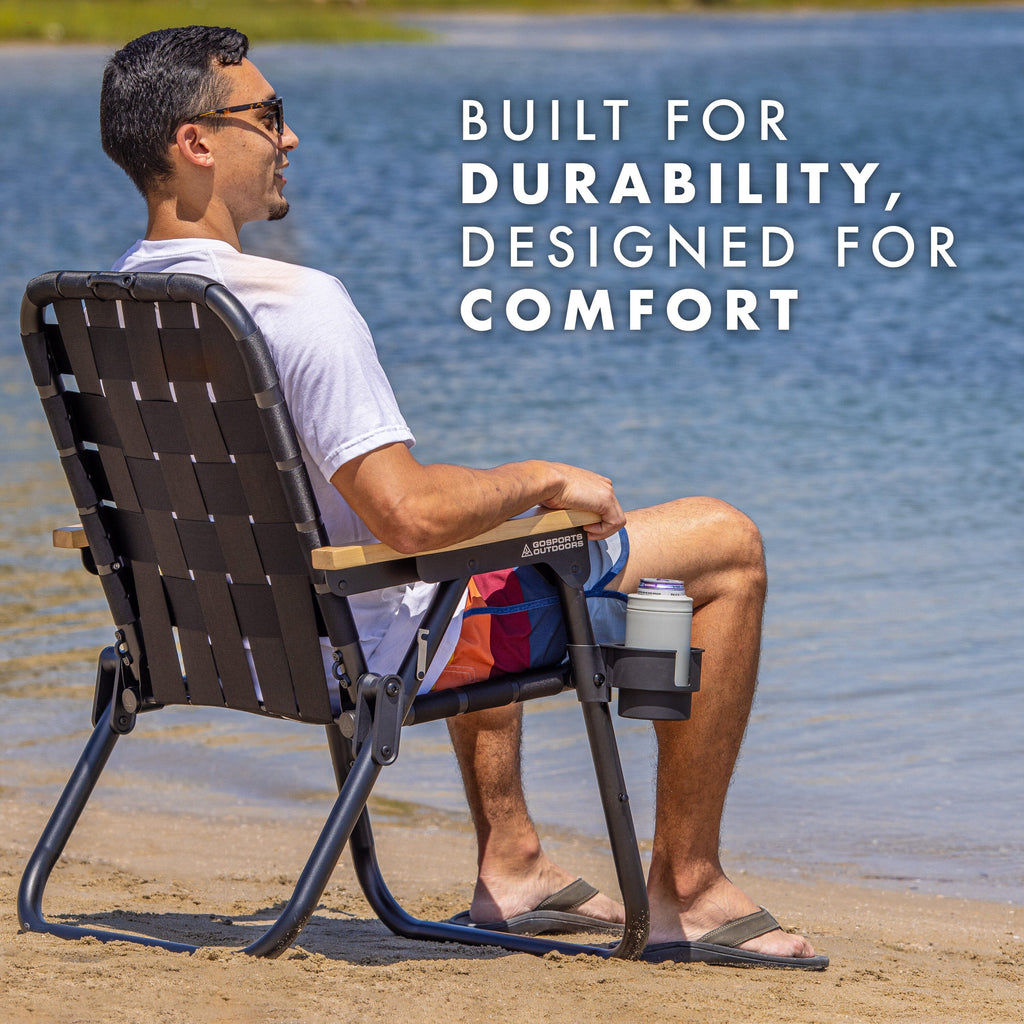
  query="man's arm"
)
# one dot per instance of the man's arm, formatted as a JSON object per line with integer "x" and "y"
{"x": 412, "y": 507}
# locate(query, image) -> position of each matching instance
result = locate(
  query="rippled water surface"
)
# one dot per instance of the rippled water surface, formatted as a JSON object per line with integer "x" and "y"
{"x": 878, "y": 443}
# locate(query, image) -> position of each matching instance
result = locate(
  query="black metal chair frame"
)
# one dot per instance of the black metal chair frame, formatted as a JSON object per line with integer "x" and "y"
{"x": 199, "y": 519}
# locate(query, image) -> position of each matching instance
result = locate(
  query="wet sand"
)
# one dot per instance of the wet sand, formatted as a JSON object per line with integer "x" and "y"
{"x": 216, "y": 879}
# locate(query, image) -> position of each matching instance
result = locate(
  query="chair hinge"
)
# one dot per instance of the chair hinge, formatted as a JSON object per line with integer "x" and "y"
{"x": 422, "y": 640}
{"x": 338, "y": 670}
{"x": 378, "y": 716}
{"x": 124, "y": 703}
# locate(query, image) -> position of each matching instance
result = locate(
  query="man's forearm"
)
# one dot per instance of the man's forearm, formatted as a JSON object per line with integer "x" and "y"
{"x": 456, "y": 502}
{"x": 412, "y": 507}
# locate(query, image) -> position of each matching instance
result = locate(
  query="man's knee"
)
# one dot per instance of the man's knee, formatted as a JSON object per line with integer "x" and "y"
{"x": 739, "y": 543}
{"x": 747, "y": 539}
{"x": 707, "y": 542}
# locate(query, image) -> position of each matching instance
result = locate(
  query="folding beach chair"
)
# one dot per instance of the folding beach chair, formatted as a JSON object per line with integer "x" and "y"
{"x": 199, "y": 519}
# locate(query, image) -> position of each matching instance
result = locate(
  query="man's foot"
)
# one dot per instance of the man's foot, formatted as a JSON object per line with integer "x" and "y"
{"x": 502, "y": 897}
{"x": 722, "y": 902}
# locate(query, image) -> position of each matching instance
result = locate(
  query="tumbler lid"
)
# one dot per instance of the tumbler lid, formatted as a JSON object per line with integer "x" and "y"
{"x": 655, "y": 585}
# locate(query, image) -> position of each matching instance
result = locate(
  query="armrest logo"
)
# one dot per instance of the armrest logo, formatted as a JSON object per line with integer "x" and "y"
{"x": 548, "y": 545}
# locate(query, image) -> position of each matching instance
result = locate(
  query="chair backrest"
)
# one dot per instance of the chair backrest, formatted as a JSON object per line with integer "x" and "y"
{"x": 182, "y": 460}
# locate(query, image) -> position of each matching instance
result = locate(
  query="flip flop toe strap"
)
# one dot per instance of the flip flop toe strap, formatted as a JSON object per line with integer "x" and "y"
{"x": 735, "y": 933}
{"x": 569, "y": 898}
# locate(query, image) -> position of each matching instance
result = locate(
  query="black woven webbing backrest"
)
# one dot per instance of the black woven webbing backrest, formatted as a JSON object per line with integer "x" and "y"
{"x": 183, "y": 463}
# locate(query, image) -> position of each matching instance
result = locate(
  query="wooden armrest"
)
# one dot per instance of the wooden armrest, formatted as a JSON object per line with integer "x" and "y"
{"x": 71, "y": 538}
{"x": 529, "y": 526}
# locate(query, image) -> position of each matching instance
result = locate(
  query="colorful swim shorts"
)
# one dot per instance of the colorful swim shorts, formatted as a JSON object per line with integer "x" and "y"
{"x": 512, "y": 620}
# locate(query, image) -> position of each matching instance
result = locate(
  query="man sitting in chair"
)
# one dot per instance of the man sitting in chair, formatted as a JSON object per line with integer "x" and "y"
{"x": 202, "y": 135}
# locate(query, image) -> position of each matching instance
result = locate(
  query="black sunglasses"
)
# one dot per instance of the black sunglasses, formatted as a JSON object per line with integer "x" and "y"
{"x": 276, "y": 104}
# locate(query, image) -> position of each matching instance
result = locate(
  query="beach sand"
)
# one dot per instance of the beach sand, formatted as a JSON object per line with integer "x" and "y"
{"x": 216, "y": 876}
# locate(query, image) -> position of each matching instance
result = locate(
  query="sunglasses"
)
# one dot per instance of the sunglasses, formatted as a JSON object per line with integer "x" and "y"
{"x": 276, "y": 104}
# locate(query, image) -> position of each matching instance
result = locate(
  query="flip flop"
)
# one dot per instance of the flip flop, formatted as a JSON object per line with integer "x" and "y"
{"x": 718, "y": 946}
{"x": 553, "y": 914}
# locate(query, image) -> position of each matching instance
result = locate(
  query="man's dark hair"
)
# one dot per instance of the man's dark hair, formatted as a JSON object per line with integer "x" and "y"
{"x": 156, "y": 83}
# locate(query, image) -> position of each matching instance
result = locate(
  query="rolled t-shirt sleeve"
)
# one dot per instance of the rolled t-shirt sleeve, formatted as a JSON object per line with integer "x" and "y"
{"x": 340, "y": 399}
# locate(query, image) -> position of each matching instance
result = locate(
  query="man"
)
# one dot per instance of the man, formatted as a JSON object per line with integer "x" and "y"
{"x": 202, "y": 134}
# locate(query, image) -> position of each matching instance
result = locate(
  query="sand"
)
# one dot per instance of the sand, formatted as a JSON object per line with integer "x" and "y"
{"x": 216, "y": 874}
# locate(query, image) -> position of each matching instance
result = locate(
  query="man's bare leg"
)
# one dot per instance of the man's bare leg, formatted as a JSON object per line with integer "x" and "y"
{"x": 514, "y": 874}
{"x": 718, "y": 552}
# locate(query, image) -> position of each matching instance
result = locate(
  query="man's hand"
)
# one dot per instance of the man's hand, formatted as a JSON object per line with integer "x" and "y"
{"x": 590, "y": 492}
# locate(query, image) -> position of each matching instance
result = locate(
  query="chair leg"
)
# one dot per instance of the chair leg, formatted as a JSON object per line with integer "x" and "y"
{"x": 621, "y": 830}
{"x": 55, "y": 837}
{"x": 611, "y": 785}
{"x": 625, "y": 853}
{"x": 395, "y": 917}
{"x": 308, "y": 890}
{"x": 348, "y": 807}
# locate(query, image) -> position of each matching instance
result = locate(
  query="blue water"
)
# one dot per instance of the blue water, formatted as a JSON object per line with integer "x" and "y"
{"x": 878, "y": 443}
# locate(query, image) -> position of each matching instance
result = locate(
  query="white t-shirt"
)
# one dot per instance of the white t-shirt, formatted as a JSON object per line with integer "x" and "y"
{"x": 339, "y": 398}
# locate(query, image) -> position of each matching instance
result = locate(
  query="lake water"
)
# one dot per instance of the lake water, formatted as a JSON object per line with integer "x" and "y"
{"x": 878, "y": 442}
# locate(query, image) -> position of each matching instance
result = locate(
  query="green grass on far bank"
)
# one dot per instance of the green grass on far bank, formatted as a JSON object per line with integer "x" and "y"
{"x": 112, "y": 21}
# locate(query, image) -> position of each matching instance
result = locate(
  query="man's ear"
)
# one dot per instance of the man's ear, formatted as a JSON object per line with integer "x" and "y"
{"x": 191, "y": 144}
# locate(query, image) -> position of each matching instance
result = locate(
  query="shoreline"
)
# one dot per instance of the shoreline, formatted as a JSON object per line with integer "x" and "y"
{"x": 208, "y": 760}
{"x": 895, "y": 956}
{"x": 425, "y": 18}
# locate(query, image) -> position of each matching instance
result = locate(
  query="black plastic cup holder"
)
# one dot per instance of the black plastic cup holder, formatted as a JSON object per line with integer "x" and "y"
{"x": 645, "y": 680}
